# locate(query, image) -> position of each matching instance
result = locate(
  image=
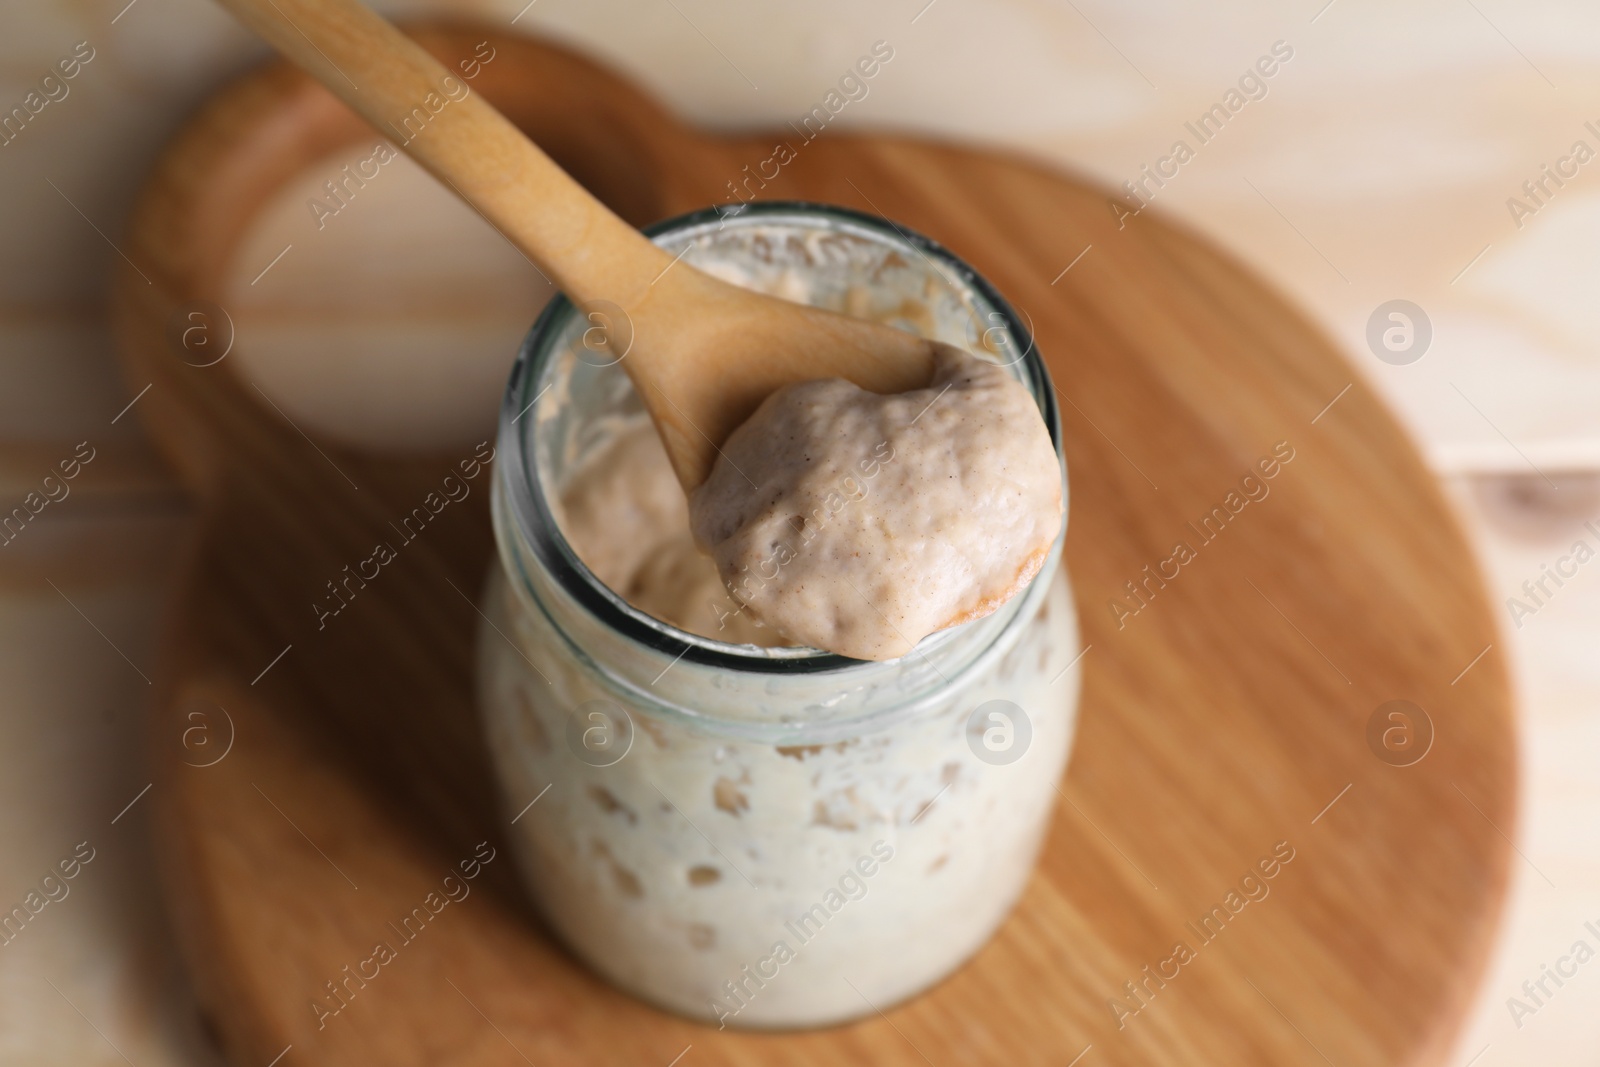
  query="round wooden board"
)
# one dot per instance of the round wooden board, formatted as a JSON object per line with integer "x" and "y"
{"x": 313, "y": 786}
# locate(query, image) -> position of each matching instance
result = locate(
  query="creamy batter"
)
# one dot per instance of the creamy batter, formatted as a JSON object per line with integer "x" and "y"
{"x": 619, "y": 855}
{"x": 861, "y": 523}
{"x": 625, "y": 515}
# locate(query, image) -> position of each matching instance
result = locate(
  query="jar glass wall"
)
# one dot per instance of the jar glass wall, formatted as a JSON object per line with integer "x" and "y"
{"x": 762, "y": 836}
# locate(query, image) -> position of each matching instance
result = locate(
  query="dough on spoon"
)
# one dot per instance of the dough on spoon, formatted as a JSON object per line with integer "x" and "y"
{"x": 860, "y": 523}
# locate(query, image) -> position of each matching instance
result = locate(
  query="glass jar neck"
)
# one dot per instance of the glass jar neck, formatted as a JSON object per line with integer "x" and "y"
{"x": 827, "y": 699}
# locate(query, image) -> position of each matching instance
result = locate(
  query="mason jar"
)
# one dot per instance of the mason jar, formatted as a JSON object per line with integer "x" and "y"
{"x": 761, "y": 836}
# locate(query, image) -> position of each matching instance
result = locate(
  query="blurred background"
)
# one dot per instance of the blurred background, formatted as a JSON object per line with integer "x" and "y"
{"x": 1427, "y": 153}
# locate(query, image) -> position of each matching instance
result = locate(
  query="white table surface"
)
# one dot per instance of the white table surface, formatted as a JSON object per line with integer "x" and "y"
{"x": 1377, "y": 166}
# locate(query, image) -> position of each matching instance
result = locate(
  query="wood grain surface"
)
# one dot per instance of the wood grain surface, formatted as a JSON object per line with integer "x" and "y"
{"x": 313, "y": 786}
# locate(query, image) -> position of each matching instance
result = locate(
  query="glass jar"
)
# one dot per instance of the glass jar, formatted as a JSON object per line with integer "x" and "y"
{"x": 770, "y": 837}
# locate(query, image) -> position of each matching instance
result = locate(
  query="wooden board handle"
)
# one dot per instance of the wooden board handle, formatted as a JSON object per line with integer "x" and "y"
{"x": 436, "y": 118}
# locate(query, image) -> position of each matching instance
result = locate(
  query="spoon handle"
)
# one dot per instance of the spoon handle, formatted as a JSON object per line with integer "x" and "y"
{"x": 433, "y": 116}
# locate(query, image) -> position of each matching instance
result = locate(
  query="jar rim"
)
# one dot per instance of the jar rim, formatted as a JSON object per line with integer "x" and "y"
{"x": 537, "y": 524}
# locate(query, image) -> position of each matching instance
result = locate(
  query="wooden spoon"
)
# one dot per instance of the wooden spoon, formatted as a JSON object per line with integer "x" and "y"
{"x": 702, "y": 353}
